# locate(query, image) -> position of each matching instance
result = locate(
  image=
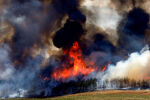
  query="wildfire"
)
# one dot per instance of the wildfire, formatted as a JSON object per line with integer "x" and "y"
{"x": 104, "y": 68}
{"x": 77, "y": 65}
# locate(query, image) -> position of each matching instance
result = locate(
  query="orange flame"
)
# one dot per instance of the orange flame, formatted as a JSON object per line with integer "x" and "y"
{"x": 79, "y": 67}
{"x": 104, "y": 68}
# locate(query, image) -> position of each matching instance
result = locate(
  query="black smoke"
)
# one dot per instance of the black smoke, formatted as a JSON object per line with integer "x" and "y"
{"x": 132, "y": 29}
{"x": 70, "y": 33}
{"x": 73, "y": 28}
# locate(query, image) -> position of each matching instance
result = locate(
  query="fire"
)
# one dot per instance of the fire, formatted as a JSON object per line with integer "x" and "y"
{"x": 77, "y": 65}
{"x": 104, "y": 68}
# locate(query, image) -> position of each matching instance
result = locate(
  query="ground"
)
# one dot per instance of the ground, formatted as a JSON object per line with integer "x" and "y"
{"x": 104, "y": 95}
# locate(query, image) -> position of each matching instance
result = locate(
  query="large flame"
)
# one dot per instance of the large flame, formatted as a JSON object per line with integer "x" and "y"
{"x": 77, "y": 66}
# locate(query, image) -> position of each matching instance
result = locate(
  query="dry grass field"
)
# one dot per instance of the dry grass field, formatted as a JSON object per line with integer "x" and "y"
{"x": 102, "y": 95}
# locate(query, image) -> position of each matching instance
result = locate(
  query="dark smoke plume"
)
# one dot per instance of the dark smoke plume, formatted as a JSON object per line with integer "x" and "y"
{"x": 132, "y": 29}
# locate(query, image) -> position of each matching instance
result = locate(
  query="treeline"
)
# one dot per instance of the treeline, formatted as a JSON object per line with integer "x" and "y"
{"x": 74, "y": 87}
{"x": 124, "y": 83}
{"x": 57, "y": 88}
{"x": 77, "y": 86}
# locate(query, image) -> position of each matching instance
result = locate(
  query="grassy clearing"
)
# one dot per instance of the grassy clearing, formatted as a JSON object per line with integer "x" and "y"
{"x": 103, "y": 95}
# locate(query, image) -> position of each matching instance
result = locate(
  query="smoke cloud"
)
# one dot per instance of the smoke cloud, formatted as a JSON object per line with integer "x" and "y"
{"x": 39, "y": 38}
{"x": 135, "y": 67}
